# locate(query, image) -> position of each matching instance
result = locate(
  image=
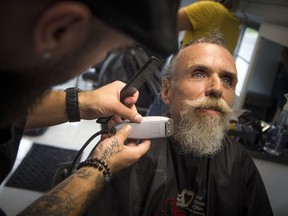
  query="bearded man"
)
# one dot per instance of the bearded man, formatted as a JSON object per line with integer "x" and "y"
{"x": 199, "y": 170}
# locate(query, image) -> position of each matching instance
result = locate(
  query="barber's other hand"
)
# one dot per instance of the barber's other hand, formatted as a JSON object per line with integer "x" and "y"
{"x": 105, "y": 101}
{"x": 116, "y": 154}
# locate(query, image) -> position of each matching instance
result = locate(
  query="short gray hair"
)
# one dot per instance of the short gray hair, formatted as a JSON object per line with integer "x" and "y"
{"x": 215, "y": 37}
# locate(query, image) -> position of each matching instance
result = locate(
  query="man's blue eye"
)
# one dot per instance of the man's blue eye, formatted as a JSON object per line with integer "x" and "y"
{"x": 198, "y": 75}
{"x": 227, "y": 81}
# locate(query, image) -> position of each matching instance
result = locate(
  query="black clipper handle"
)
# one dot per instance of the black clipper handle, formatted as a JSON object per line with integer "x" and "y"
{"x": 136, "y": 82}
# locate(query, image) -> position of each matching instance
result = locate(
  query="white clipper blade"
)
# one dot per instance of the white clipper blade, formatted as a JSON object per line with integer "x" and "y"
{"x": 151, "y": 127}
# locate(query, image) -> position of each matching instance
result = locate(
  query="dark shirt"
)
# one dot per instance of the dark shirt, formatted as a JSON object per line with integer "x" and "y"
{"x": 164, "y": 182}
{"x": 9, "y": 143}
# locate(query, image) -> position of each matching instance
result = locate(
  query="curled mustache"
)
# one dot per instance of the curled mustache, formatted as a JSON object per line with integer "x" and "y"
{"x": 210, "y": 103}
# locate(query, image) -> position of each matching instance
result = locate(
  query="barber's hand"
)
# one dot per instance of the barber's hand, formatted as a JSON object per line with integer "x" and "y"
{"x": 105, "y": 101}
{"x": 116, "y": 154}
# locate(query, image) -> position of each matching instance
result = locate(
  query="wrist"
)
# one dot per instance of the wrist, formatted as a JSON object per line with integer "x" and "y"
{"x": 72, "y": 104}
{"x": 88, "y": 176}
{"x": 84, "y": 101}
{"x": 99, "y": 165}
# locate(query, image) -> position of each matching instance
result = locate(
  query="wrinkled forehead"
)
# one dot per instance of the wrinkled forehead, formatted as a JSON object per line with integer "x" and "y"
{"x": 205, "y": 53}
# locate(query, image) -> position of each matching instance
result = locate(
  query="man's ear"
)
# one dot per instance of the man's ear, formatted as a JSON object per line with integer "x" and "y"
{"x": 61, "y": 27}
{"x": 166, "y": 91}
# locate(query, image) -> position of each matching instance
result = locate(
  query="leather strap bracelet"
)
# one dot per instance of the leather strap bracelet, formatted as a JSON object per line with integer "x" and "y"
{"x": 99, "y": 164}
{"x": 72, "y": 105}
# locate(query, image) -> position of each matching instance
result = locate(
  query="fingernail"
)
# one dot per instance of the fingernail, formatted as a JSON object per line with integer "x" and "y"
{"x": 128, "y": 128}
{"x": 138, "y": 118}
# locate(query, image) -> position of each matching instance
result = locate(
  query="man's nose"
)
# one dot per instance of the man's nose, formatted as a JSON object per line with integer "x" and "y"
{"x": 214, "y": 87}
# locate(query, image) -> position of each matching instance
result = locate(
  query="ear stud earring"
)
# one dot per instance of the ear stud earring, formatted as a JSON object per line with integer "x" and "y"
{"x": 46, "y": 55}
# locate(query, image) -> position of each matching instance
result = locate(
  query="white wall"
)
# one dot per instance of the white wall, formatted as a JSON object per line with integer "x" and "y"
{"x": 275, "y": 177}
{"x": 266, "y": 68}
{"x": 264, "y": 11}
{"x": 274, "y": 33}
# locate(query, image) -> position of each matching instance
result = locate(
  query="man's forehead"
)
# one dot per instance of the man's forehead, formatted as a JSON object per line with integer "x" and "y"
{"x": 205, "y": 55}
{"x": 203, "y": 51}
{"x": 202, "y": 46}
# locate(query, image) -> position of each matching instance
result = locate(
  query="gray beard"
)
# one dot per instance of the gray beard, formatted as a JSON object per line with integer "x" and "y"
{"x": 200, "y": 134}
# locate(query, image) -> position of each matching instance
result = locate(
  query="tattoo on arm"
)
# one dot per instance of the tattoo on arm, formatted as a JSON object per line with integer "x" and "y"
{"x": 58, "y": 202}
{"x": 98, "y": 188}
{"x": 84, "y": 174}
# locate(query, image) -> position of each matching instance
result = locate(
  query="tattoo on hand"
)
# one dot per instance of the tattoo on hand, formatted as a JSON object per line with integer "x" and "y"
{"x": 113, "y": 149}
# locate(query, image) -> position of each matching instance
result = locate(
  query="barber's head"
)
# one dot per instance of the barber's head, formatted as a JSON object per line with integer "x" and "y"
{"x": 199, "y": 87}
{"x": 44, "y": 43}
{"x": 232, "y": 5}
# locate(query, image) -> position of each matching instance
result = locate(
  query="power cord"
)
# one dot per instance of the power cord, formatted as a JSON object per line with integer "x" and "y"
{"x": 103, "y": 131}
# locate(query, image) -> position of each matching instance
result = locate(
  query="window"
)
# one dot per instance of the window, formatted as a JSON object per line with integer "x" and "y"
{"x": 244, "y": 55}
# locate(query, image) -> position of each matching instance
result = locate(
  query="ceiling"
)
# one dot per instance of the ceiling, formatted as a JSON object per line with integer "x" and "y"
{"x": 264, "y": 11}
{"x": 256, "y": 12}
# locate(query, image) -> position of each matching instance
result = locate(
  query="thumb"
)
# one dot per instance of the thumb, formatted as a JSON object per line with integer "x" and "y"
{"x": 128, "y": 113}
{"x": 123, "y": 133}
{"x": 140, "y": 149}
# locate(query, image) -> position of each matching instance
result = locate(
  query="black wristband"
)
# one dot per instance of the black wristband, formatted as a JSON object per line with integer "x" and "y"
{"x": 72, "y": 105}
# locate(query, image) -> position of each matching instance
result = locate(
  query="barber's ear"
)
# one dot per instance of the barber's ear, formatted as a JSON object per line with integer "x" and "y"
{"x": 166, "y": 91}
{"x": 62, "y": 27}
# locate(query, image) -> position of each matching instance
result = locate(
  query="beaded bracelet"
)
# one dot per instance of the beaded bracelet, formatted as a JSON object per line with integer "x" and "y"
{"x": 98, "y": 164}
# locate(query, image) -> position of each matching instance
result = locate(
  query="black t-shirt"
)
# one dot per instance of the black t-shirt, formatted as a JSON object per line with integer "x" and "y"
{"x": 163, "y": 182}
{"x": 9, "y": 143}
